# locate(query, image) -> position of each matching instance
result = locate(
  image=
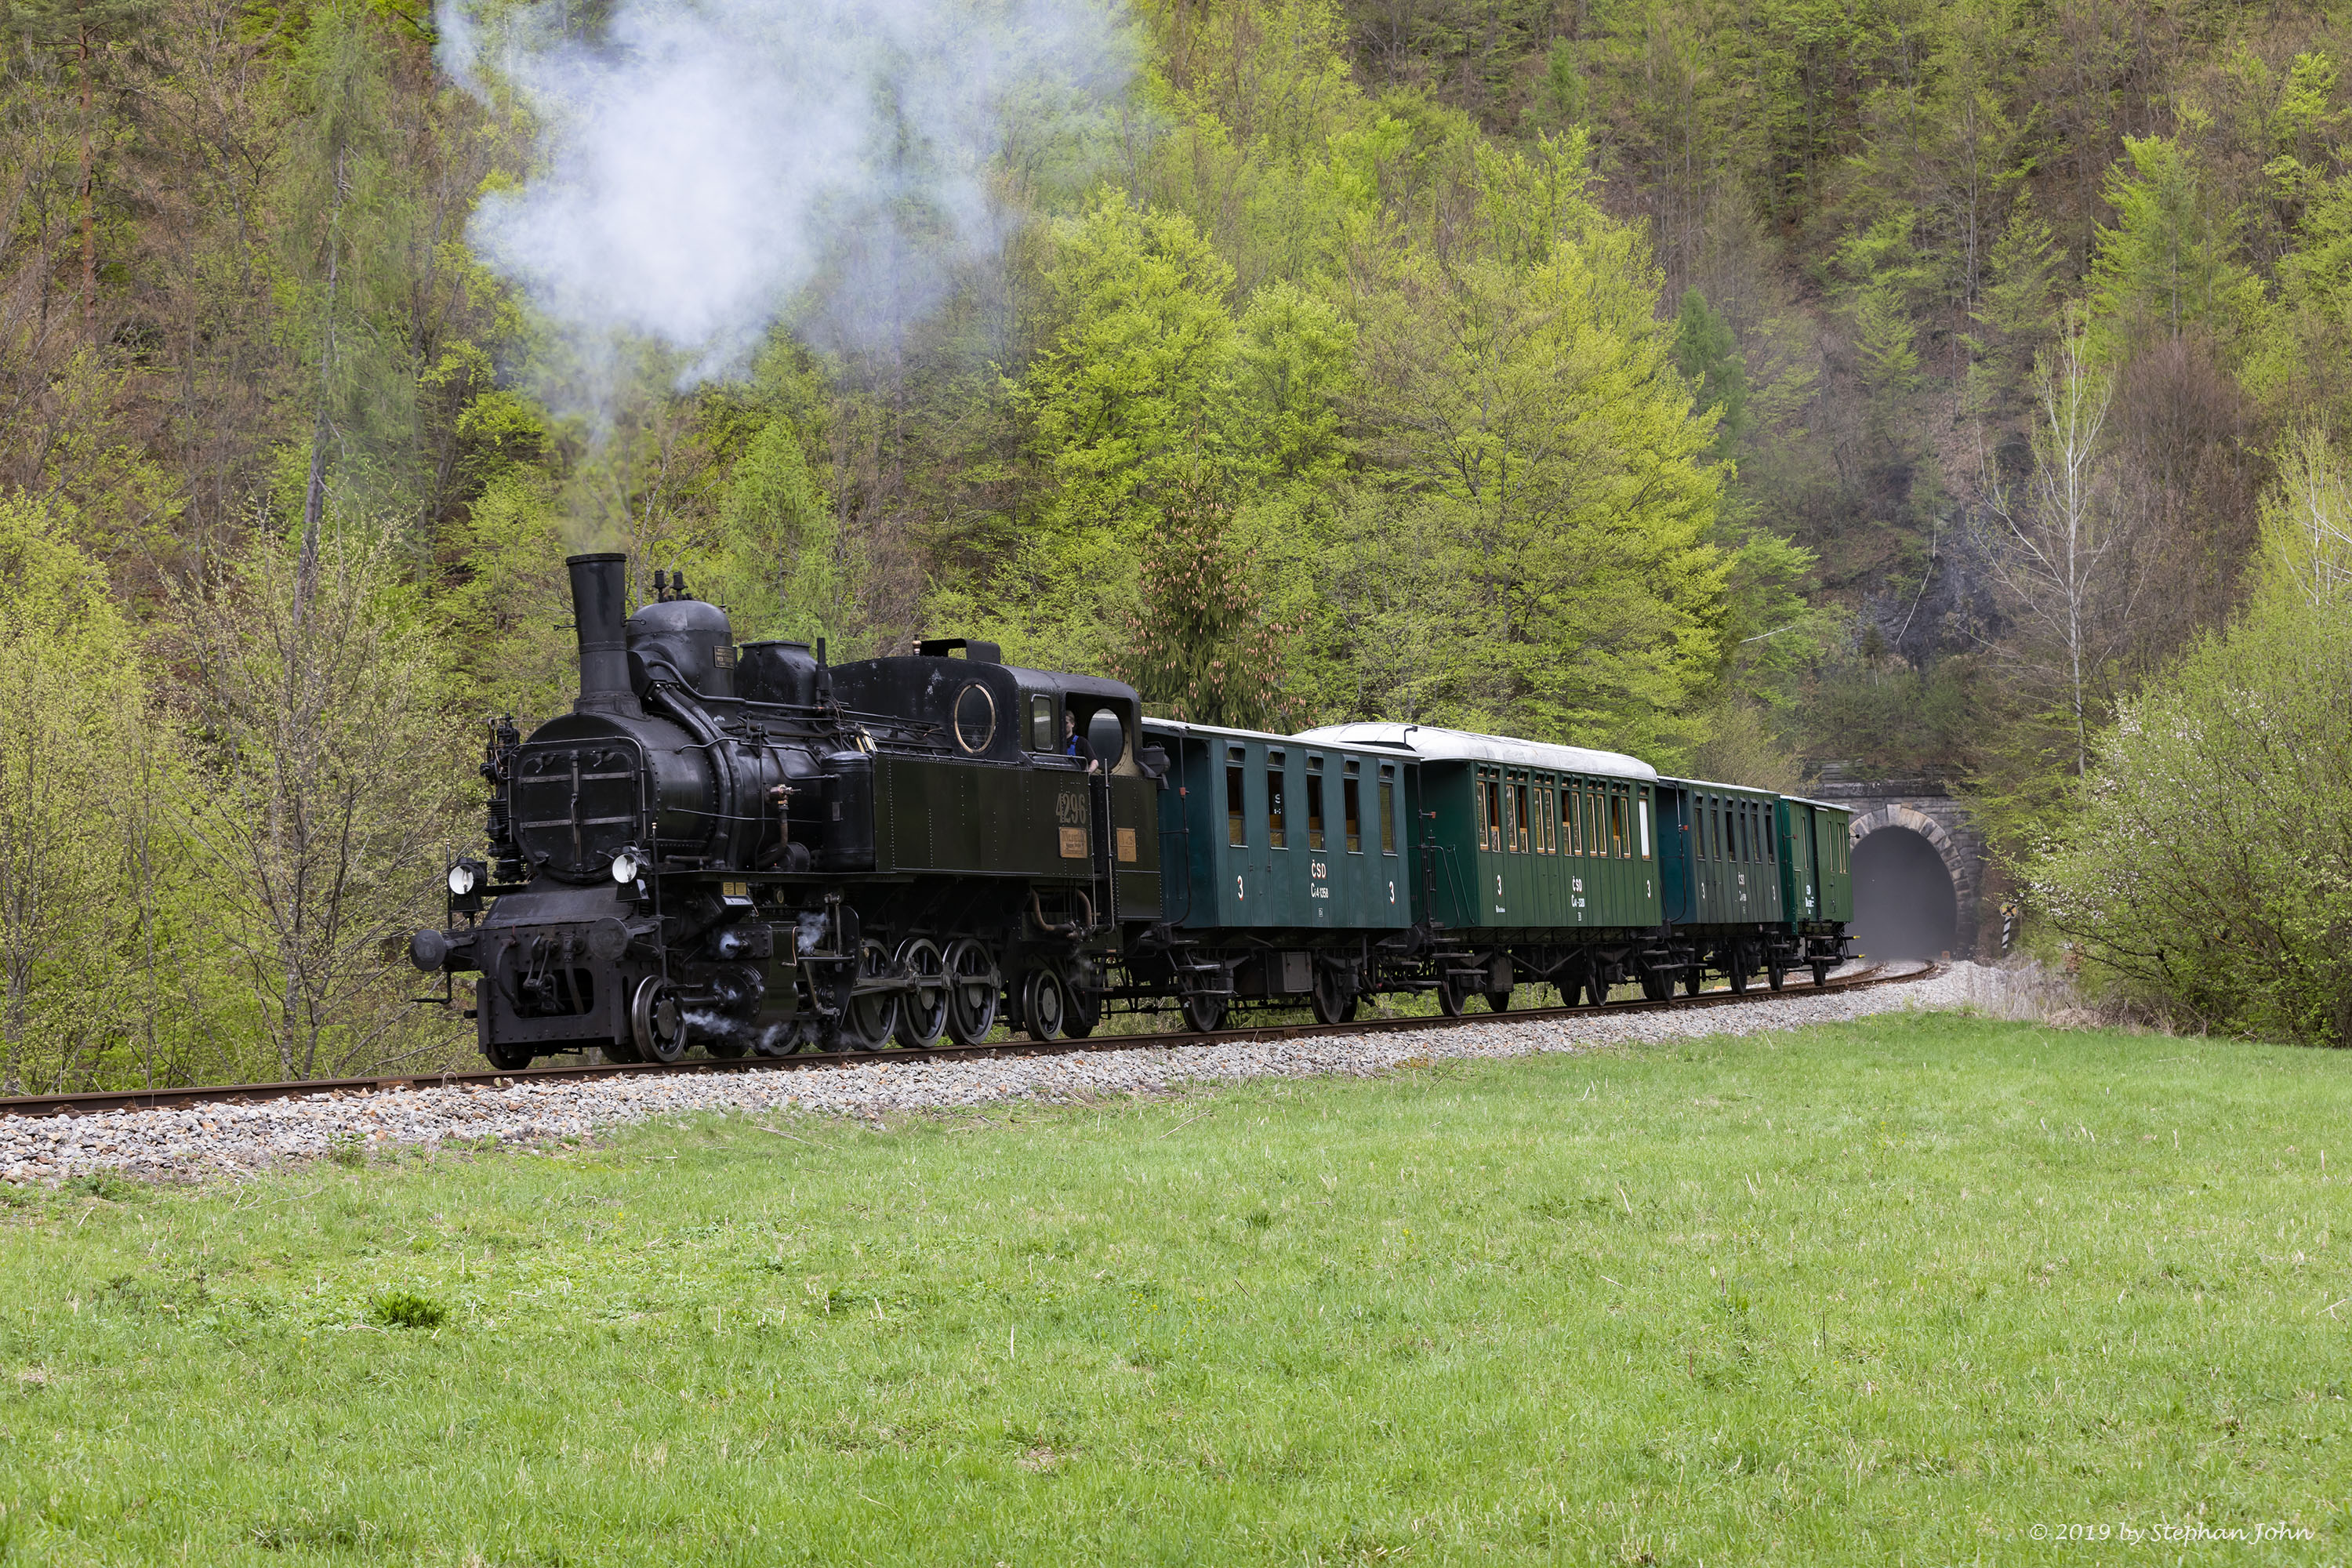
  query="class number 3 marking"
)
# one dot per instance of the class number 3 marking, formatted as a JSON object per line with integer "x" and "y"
{"x": 1392, "y": 892}
{"x": 1238, "y": 893}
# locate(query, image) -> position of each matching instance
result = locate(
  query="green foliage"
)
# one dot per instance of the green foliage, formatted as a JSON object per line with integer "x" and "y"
{"x": 319, "y": 858}
{"x": 1329, "y": 1319}
{"x": 1543, "y": 501}
{"x": 2169, "y": 263}
{"x": 2210, "y": 871}
{"x": 1202, "y": 648}
{"x": 2018, "y": 308}
{"x": 77, "y": 830}
{"x": 1708, "y": 358}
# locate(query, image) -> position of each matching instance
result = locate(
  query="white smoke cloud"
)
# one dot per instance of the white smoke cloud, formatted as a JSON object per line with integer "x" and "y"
{"x": 706, "y": 165}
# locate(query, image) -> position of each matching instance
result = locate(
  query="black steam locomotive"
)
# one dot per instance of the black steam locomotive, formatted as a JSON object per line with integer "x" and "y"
{"x": 751, "y": 850}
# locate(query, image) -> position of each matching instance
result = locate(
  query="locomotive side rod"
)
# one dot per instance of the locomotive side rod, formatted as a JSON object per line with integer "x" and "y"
{"x": 250, "y": 1093}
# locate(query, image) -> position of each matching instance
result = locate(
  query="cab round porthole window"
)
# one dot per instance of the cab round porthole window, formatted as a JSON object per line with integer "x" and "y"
{"x": 975, "y": 717}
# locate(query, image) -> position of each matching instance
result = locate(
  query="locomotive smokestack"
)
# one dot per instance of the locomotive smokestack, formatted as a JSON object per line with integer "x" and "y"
{"x": 599, "y": 610}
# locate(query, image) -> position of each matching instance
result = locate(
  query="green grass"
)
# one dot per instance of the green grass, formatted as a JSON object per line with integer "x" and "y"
{"x": 1897, "y": 1291}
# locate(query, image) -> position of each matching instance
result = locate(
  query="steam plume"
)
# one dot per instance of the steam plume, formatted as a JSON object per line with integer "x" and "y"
{"x": 708, "y": 165}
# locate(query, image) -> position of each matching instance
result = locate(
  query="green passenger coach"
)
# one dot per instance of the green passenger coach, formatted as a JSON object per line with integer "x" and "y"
{"x": 1527, "y": 843}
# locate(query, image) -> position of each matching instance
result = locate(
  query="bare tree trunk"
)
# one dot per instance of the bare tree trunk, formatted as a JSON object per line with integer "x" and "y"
{"x": 314, "y": 495}
{"x": 2060, "y": 552}
{"x": 89, "y": 208}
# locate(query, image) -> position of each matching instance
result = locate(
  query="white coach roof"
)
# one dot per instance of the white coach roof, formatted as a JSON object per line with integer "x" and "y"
{"x": 1432, "y": 745}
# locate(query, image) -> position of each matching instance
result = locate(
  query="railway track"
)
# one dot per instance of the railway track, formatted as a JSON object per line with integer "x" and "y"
{"x": 51, "y": 1105}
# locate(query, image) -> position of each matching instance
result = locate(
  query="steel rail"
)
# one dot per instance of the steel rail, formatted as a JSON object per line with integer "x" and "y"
{"x": 94, "y": 1102}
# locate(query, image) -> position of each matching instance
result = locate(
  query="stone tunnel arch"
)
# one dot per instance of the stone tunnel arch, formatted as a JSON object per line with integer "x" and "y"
{"x": 1911, "y": 885}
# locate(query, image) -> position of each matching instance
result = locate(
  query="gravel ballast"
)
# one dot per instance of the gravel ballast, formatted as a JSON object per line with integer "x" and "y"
{"x": 197, "y": 1142}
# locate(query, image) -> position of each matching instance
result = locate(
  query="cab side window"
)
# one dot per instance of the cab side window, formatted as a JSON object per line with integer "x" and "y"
{"x": 1041, "y": 724}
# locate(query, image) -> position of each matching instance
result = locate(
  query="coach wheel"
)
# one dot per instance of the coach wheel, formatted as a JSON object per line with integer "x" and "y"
{"x": 1498, "y": 1001}
{"x": 657, "y": 1022}
{"x": 1044, "y": 1004}
{"x": 1452, "y": 995}
{"x": 922, "y": 1011}
{"x": 1334, "y": 996}
{"x": 509, "y": 1057}
{"x": 1694, "y": 977}
{"x": 1595, "y": 986}
{"x": 972, "y": 986}
{"x": 1776, "y": 974}
{"x": 1203, "y": 1013}
{"x": 867, "y": 1022}
{"x": 1820, "y": 973}
{"x": 1657, "y": 986}
{"x": 1735, "y": 968}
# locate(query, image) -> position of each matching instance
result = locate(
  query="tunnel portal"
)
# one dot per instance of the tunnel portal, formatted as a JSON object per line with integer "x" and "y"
{"x": 1903, "y": 902}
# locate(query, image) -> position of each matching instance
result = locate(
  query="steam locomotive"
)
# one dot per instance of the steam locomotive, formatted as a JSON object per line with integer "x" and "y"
{"x": 752, "y": 849}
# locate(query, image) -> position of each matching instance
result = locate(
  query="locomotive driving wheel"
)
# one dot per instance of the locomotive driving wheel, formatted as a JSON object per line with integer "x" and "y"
{"x": 657, "y": 1022}
{"x": 923, "y": 1011}
{"x": 972, "y": 984}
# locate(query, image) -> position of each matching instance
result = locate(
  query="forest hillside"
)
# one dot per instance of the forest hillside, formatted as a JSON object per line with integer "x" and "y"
{"x": 1753, "y": 384}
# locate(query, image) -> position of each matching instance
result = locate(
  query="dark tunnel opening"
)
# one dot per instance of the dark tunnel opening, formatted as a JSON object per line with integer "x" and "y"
{"x": 1904, "y": 906}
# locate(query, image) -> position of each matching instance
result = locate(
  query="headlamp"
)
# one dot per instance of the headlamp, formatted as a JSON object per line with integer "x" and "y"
{"x": 464, "y": 878}
{"x": 626, "y": 867}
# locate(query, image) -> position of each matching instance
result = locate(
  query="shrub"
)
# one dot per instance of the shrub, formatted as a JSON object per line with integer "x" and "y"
{"x": 407, "y": 1309}
{"x": 2210, "y": 870}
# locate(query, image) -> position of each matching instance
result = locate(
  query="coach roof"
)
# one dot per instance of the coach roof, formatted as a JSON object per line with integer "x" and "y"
{"x": 1430, "y": 744}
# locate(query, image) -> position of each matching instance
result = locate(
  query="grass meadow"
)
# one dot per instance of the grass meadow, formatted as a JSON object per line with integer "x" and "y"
{"x": 1923, "y": 1289}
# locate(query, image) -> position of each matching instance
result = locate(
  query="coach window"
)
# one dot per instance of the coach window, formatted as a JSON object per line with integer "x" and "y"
{"x": 1520, "y": 824}
{"x": 1041, "y": 724}
{"x": 1388, "y": 810}
{"x": 1493, "y": 792}
{"x": 1351, "y": 806}
{"x": 1275, "y": 837}
{"x": 1236, "y": 821}
{"x": 1314, "y": 803}
{"x": 1641, "y": 817}
{"x": 1617, "y": 826}
{"x": 1771, "y": 840}
{"x": 1572, "y": 816}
